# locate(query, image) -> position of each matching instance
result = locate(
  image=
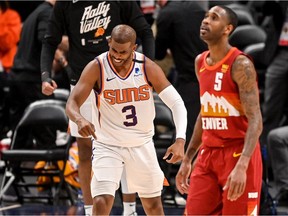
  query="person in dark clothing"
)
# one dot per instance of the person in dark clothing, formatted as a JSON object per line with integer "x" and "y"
{"x": 90, "y": 33}
{"x": 275, "y": 55}
{"x": 277, "y": 141}
{"x": 88, "y": 24}
{"x": 178, "y": 24}
{"x": 148, "y": 8}
{"x": 61, "y": 69}
{"x": 25, "y": 76}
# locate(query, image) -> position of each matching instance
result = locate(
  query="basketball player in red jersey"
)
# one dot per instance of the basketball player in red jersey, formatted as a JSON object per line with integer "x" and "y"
{"x": 227, "y": 176}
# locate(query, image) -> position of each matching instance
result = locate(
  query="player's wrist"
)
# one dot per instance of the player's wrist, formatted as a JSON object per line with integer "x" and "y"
{"x": 243, "y": 162}
{"x": 45, "y": 77}
{"x": 181, "y": 140}
{"x": 187, "y": 159}
{"x": 77, "y": 120}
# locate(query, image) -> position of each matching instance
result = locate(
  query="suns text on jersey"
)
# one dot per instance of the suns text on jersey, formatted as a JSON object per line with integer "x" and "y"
{"x": 120, "y": 96}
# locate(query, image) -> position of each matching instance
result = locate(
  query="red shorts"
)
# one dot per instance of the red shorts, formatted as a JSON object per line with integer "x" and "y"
{"x": 213, "y": 166}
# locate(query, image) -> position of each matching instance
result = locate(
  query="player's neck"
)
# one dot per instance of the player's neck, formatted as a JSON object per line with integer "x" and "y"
{"x": 124, "y": 69}
{"x": 217, "y": 53}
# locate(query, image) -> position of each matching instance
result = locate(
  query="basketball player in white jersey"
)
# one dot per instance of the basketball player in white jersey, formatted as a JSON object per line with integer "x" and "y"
{"x": 122, "y": 127}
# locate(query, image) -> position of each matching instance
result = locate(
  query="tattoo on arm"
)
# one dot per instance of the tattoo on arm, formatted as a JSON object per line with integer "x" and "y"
{"x": 244, "y": 74}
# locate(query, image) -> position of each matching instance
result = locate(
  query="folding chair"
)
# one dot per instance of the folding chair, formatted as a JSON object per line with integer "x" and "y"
{"x": 256, "y": 51}
{"x": 40, "y": 114}
{"x": 244, "y": 13}
{"x": 245, "y": 35}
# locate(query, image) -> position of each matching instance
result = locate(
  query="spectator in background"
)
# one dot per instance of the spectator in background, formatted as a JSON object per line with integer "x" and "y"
{"x": 277, "y": 141}
{"x": 61, "y": 70}
{"x": 88, "y": 24}
{"x": 148, "y": 8}
{"x": 275, "y": 55}
{"x": 25, "y": 77}
{"x": 178, "y": 24}
{"x": 25, "y": 84}
{"x": 10, "y": 28}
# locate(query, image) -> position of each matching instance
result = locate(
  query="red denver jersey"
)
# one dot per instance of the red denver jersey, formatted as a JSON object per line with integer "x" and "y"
{"x": 223, "y": 119}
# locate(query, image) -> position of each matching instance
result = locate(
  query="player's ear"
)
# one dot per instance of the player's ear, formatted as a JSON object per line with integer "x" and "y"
{"x": 109, "y": 41}
{"x": 135, "y": 47}
{"x": 229, "y": 29}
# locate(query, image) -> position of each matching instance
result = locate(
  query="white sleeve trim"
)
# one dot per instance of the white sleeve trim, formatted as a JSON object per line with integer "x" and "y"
{"x": 174, "y": 101}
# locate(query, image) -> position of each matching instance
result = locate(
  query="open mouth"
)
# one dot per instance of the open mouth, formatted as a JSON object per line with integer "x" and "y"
{"x": 203, "y": 29}
{"x": 117, "y": 60}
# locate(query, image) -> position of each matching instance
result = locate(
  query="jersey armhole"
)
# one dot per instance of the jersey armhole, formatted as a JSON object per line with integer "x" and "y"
{"x": 144, "y": 69}
{"x": 99, "y": 88}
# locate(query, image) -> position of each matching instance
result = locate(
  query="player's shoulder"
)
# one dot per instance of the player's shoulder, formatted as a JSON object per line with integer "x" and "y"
{"x": 242, "y": 60}
{"x": 149, "y": 64}
{"x": 93, "y": 65}
{"x": 243, "y": 67}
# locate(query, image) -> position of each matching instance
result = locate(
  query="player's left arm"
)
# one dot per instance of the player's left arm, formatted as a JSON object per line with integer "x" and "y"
{"x": 245, "y": 76}
{"x": 173, "y": 100}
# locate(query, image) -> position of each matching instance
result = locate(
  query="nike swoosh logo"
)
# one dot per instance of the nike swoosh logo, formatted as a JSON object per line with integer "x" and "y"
{"x": 236, "y": 154}
{"x": 109, "y": 79}
{"x": 202, "y": 69}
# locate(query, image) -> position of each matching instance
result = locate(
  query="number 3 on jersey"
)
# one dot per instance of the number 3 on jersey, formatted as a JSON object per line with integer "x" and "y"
{"x": 218, "y": 81}
{"x": 131, "y": 117}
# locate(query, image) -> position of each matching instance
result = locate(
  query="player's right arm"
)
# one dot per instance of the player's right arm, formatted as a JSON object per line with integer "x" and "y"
{"x": 79, "y": 94}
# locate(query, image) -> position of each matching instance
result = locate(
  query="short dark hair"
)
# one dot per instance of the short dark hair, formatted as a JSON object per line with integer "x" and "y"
{"x": 123, "y": 34}
{"x": 232, "y": 17}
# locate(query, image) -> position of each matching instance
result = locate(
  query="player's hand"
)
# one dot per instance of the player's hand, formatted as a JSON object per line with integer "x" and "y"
{"x": 235, "y": 183}
{"x": 86, "y": 128}
{"x": 176, "y": 151}
{"x": 182, "y": 177}
{"x": 48, "y": 87}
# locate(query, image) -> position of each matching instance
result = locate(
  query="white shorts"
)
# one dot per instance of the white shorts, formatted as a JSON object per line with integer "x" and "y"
{"x": 143, "y": 173}
{"x": 86, "y": 112}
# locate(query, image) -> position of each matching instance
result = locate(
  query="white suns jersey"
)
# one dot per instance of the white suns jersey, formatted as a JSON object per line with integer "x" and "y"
{"x": 124, "y": 106}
